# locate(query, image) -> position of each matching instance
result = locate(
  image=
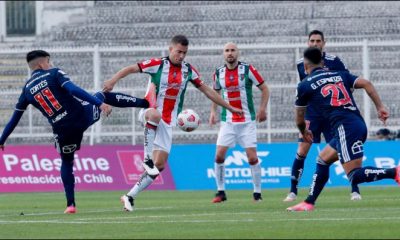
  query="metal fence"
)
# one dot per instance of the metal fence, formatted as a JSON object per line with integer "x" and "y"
{"x": 269, "y": 131}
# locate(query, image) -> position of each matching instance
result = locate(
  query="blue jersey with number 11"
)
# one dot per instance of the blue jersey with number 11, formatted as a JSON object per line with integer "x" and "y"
{"x": 331, "y": 93}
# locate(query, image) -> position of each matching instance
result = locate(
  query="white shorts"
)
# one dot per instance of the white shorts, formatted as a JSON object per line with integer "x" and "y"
{"x": 245, "y": 134}
{"x": 163, "y": 138}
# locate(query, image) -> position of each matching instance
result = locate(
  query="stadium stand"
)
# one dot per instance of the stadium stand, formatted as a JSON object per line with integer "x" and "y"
{"x": 213, "y": 23}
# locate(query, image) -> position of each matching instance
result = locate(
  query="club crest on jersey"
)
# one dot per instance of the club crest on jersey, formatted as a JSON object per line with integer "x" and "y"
{"x": 185, "y": 74}
{"x": 241, "y": 77}
{"x": 231, "y": 78}
{"x": 174, "y": 75}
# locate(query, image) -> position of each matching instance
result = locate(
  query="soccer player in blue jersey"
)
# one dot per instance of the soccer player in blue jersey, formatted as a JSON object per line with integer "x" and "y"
{"x": 330, "y": 92}
{"x": 315, "y": 122}
{"x": 69, "y": 109}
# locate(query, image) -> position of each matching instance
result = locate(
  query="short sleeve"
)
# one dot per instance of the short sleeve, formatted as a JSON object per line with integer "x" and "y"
{"x": 150, "y": 66}
{"x": 349, "y": 79}
{"x": 195, "y": 79}
{"x": 301, "y": 96}
{"x": 255, "y": 76}
{"x": 62, "y": 77}
{"x": 339, "y": 65}
{"x": 22, "y": 103}
{"x": 216, "y": 83}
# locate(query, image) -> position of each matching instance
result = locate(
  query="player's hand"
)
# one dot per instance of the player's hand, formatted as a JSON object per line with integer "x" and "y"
{"x": 212, "y": 120}
{"x": 105, "y": 109}
{"x": 235, "y": 110}
{"x": 308, "y": 136}
{"x": 2, "y": 147}
{"x": 261, "y": 115}
{"x": 383, "y": 114}
{"x": 108, "y": 85}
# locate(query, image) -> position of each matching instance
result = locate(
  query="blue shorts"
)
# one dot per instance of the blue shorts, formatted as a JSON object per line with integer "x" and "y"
{"x": 349, "y": 140}
{"x": 318, "y": 126}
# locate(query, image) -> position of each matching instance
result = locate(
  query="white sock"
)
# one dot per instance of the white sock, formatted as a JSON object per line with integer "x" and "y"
{"x": 149, "y": 135}
{"x": 142, "y": 184}
{"x": 256, "y": 174}
{"x": 219, "y": 169}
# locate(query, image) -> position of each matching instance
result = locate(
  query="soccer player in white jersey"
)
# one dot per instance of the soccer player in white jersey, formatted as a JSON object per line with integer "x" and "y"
{"x": 167, "y": 85}
{"x": 235, "y": 80}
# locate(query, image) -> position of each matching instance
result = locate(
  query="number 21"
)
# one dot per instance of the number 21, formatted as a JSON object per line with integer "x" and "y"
{"x": 335, "y": 90}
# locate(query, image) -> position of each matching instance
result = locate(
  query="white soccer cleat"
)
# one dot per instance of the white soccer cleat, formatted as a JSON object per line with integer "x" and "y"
{"x": 290, "y": 197}
{"x": 150, "y": 168}
{"x": 355, "y": 196}
{"x": 127, "y": 201}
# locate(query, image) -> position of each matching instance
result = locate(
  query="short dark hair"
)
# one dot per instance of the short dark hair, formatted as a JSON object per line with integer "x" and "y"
{"x": 316, "y": 32}
{"x": 313, "y": 54}
{"x": 181, "y": 39}
{"x": 32, "y": 55}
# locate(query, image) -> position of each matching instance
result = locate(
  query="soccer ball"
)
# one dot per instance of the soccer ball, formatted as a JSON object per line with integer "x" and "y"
{"x": 188, "y": 120}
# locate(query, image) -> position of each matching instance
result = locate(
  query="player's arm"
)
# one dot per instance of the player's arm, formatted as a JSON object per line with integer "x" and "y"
{"x": 301, "y": 124}
{"x": 20, "y": 107}
{"x": 216, "y": 98}
{"x": 300, "y": 112}
{"x": 213, "y": 111}
{"x": 14, "y": 120}
{"x": 109, "y": 84}
{"x": 262, "y": 110}
{"x": 383, "y": 113}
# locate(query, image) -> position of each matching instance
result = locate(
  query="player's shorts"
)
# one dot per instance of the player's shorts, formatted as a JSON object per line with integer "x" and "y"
{"x": 68, "y": 138}
{"x": 318, "y": 126}
{"x": 68, "y": 142}
{"x": 245, "y": 134}
{"x": 163, "y": 138}
{"x": 349, "y": 140}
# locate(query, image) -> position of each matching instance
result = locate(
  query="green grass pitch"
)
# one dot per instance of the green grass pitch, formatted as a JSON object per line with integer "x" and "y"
{"x": 190, "y": 214}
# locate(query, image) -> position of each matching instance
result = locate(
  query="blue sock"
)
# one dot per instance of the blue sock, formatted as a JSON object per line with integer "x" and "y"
{"x": 122, "y": 100}
{"x": 354, "y": 188}
{"x": 370, "y": 174}
{"x": 68, "y": 179}
{"x": 297, "y": 171}
{"x": 320, "y": 178}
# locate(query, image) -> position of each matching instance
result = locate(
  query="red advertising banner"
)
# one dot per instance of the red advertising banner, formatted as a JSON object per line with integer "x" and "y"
{"x": 100, "y": 167}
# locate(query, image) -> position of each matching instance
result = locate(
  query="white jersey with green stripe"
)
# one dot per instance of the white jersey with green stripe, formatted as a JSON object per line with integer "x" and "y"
{"x": 237, "y": 89}
{"x": 171, "y": 82}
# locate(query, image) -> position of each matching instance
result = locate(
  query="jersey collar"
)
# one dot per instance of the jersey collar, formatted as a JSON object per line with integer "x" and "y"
{"x": 317, "y": 69}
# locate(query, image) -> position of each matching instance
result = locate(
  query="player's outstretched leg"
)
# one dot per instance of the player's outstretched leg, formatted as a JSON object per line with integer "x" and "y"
{"x": 372, "y": 174}
{"x": 122, "y": 100}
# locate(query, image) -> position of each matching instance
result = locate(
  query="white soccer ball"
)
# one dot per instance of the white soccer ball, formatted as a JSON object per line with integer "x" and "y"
{"x": 188, "y": 120}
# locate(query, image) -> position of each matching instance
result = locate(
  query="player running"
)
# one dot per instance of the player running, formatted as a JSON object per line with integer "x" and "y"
{"x": 236, "y": 79}
{"x": 330, "y": 93}
{"x": 169, "y": 77}
{"x": 315, "y": 122}
{"x": 69, "y": 109}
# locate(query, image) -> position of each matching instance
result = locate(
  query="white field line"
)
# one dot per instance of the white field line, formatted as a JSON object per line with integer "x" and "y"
{"x": 92, "y": 211}
{"x": 98, "y": 221}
